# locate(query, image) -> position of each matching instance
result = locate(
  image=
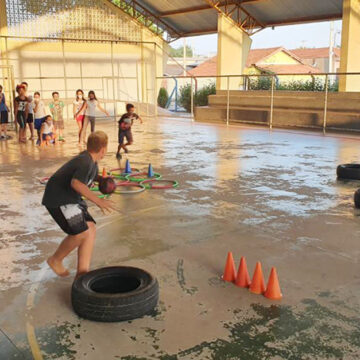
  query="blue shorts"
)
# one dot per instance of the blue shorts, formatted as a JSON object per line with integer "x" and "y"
{"x": 45, "y": 135}
{"x": 38, "y": 123}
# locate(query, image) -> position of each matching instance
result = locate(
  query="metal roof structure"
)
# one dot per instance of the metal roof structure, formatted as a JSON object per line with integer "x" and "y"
{"x": 181, "y": 18}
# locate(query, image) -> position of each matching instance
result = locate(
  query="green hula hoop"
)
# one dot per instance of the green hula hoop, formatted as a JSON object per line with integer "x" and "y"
{"x": 131, "y": 177}
{"x": 149, "y": 184}
{"x": 122, "y": 175}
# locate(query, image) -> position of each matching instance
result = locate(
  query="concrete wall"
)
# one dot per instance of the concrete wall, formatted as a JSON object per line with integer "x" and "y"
{"x": 291, "y": 109}
{"x": 118, "y": 72}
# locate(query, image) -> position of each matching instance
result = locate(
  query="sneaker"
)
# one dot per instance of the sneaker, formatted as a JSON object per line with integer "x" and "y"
{"x": 118, "y": 156}
{"x": 38, "y": 142}
{"x": 61, "y": 138}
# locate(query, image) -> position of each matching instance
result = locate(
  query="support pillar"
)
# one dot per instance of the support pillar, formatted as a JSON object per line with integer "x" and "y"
{"x": 3, "y": 31}
{"x": 233, "y": 49}
{"x": 350, "y": 46}
{"x": 153, "y": 61}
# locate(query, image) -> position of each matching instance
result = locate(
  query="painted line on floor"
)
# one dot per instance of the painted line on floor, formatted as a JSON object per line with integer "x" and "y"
{"x": 30, "y": 330}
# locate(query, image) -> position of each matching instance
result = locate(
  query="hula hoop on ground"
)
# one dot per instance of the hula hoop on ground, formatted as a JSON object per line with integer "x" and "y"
{"x": 44, "y": 180}
{"x": 143, "y": 176}
{"x": 121, "y": 188}
{"x": 119, "y": 173}
{"x": 158, "y": 184}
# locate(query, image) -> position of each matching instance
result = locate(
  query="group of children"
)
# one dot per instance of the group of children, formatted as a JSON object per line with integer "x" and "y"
{"x": 30, "y": 111}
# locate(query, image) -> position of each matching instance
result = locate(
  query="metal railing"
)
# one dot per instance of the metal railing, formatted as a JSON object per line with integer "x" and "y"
{"x": 278, "y": 84}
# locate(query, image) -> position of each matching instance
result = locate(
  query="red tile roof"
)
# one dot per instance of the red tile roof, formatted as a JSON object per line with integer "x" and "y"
{"x": 208, "y": 67}
{"x": 289, "y": 69}
{"x": 314, "y": 53}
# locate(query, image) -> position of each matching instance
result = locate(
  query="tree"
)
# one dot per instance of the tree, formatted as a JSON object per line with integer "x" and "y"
{"x": 179, "y": 51}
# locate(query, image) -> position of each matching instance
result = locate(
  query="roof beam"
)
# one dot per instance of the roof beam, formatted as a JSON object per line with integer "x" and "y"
{"x": 195, "y": 9}
{"x": 305, "y": 20}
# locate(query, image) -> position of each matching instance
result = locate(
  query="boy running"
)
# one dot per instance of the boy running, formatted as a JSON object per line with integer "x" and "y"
{"x": 56, "y": 108}
{"x": 63, "y": 199}
{"x": 125, "y": 123}
{"x": 4, "y": 115}
{"x": 21, "y": 108}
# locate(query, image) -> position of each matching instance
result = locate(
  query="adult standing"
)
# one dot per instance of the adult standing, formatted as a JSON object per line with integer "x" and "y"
{"x": 79, "y": 108}
{"x": 4, "y": 115}
{"x": 90, "y": 114}
{"x": 30, "y": 116}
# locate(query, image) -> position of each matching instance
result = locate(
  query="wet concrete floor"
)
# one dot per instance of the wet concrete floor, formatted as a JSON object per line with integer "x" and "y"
{"x": 270, "y": 196}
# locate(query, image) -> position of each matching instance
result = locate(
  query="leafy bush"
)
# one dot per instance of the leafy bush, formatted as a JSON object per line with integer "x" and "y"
{"x": 162, "y": 97}
{"x": 259, "y": 83}
{"x": 314, "y": 84}
{"x": 200, "y": 97}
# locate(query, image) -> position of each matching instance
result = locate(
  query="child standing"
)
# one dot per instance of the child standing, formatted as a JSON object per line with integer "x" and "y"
{"x": 47, "y": 131}
{"x": 40, "y": 115}
{"x": 4, "y": 114}
{"x": 56, "y": 108}
{"x": 21, "y": 108}
{"x": 90, "y": 114}
{"x": 125, "y": 123}
{"x": 79, "y": 108}
{"x": 30, "y": 116}
{"x": 63, "y": 199}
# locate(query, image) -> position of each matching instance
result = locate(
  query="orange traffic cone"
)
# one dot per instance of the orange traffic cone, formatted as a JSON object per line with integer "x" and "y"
{"x": 243, "y": 278}
{"x": 257, "y": 285}
{"x": 229, "y": 272}
{"x": 273, "y": 291}
{"x": 104, "y": 173}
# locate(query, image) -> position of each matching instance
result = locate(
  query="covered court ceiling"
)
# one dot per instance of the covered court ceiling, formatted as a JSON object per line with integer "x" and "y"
{"x": 195, "y": 17}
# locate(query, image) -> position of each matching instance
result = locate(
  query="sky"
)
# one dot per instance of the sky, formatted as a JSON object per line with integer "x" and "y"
{"x": 290, "y": 37}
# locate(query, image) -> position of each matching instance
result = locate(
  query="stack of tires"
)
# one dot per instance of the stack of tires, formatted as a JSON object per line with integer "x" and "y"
{"x": 351, "y": 172}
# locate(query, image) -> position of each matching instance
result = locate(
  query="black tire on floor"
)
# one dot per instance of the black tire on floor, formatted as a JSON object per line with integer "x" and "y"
{"x": 357, "y": 198}
{"x": 348, "y": 171}
{"x": 114, "y": 294}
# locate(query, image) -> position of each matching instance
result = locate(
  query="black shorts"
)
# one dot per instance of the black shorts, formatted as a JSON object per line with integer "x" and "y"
{"x": 4, "y": 117}
{"x": 30, "y": 118}
{"x": 20, "y": 118}
{"x": 71, "y": 218}
{"x": 125, "y": 134}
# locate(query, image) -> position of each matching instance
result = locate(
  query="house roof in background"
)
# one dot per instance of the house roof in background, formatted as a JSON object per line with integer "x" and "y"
{"x": 255, "y": 57}
{"x": 314, "y": 53}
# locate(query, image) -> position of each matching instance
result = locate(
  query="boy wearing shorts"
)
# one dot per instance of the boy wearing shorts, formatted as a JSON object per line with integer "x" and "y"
{"x": 21, "y": 108}
{"x": 47, "y": 131}
{"x": 40, "y": 115}
{"x": 57, "y": 108}
{"x": 125, "y": 123}
{"x": 30, "y": 116}
{"x": 4, "y": 115}
{"x": 63, "y": 199}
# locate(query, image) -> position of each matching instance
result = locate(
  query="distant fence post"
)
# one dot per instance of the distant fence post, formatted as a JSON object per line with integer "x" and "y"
{"x": 192, "y": 99}
{"x": 228, "y": 101}
{"x": 326, "y": 101}
{"x": 272, "y": 101}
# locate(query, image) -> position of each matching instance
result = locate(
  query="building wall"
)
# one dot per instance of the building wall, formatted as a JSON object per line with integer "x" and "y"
{"x": 280, "y": 58}
{"x": 117, "y": 71}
